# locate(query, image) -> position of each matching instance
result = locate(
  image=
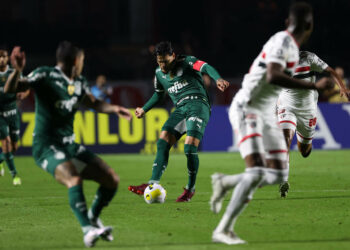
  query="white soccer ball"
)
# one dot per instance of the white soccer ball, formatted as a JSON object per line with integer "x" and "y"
{"x": 154, "y": 193}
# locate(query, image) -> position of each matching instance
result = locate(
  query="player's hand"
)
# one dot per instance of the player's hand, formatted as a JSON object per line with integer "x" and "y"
{"x": 139, "y": 112}
{"x": 222, "y": 84}
{"x": 21, "y": 95}
{"x": 18, "y": 58}
{"x": 346, "y": 93}
{"x": 324, "y": 83}
{"x": 123, "y": 112}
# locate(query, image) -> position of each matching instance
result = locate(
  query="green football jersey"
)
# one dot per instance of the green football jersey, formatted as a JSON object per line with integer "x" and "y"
{"x": 56, "y": 100}
{"x": 184, "y": 80}
{"x": 8, "y": 100}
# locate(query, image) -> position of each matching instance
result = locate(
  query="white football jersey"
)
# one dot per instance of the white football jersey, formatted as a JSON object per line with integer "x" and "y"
{"x": 309, "y": 63}
{"x": 256, "y": 92}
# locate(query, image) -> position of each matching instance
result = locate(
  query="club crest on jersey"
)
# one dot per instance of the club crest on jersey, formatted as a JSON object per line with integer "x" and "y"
{"x": 71, "y": 89}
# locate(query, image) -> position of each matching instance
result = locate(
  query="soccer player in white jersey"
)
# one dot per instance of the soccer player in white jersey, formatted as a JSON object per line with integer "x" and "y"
{"x": 297, "y": 108}
{"x": 253, "y": 115}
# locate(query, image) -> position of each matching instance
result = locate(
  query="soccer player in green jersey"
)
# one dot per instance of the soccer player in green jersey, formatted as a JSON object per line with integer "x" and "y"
{"x": 58, "y": 92}
{"x": 9, "y": 120}
{"x": 180, "y": 76}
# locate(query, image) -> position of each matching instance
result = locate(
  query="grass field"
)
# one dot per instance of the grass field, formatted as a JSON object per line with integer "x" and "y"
{"x": 316, "y": 214}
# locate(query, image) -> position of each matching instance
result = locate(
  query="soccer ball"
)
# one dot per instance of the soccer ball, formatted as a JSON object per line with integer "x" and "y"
{"x": 154, "y": 193}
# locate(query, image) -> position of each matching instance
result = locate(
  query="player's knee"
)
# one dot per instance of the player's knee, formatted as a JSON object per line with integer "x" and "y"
{"x": 14, "y": 147}
{"x": 72, "y": 181}
{"x": 305, "y": 149}
{"x": 114, "y": 180}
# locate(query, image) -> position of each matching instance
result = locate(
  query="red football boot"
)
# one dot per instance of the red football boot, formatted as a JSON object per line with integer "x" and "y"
{"x": 185, "y": 196}
{"x": 138, "y": 189}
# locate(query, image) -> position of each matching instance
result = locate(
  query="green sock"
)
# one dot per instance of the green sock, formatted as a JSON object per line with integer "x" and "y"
{"x": 10, "y": 163}
{"x": 102, "y": 199}
{"x": 78, "y": 205}
{"x": 161, "y": 161}
{"x": 1, "y": 157}
{"x": 192, "y": 165}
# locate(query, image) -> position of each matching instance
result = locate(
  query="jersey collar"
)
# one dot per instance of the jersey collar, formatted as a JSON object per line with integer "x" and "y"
{"x": 64, "y": 75}
{"x": 293, "y": 38}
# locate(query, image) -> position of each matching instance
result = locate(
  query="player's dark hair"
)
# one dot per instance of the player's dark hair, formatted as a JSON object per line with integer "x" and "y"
{"x": 163, "y": 48}
{"x": 67, "y": 53}
{"x": 4, "y": 47}
{"x": 300, "y": 13}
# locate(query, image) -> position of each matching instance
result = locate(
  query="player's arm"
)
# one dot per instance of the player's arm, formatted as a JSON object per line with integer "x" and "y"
{"x": 156, "y": 98}
{"x": 14, "y": 82}
{"x": 91, "y": 102}
{"x": 343, "y": 90}
{"x": 22, "y": 95}
{"x": 275, "y": 75}
{"x": 204, "y": 67}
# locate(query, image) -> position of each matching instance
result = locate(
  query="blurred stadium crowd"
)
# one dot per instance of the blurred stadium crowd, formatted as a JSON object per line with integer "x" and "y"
{"x": 119, "y": 36}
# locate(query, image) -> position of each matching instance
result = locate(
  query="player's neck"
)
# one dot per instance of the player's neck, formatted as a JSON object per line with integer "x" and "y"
{"x": 299, "y": 37}
{"x": 3, "y": 68}
{"x": 68, "y": 71}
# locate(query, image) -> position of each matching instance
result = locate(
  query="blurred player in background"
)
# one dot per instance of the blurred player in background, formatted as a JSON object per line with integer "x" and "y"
{"x": 332, "y": 95}
{"x": 181, "y": 77}
{"x": 252, "y": 113}
{"x": 9, "y": 120}
{"x": 58, "y": 92}
{"x": 101, "y": 91}
{"x": 297, "y": 108}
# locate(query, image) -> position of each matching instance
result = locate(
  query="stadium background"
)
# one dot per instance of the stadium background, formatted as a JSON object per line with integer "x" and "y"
{"x": 119, "y": 36}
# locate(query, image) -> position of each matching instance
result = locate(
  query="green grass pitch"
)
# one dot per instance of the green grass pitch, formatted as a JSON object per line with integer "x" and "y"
{"x": 315, "y": 215}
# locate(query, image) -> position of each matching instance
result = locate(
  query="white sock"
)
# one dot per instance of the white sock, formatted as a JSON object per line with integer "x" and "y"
{"x": 273, "y": 176}
{"x": 285, "y": 177}
{"x": 240, "y": 196}
{"x": 230, "y": 181}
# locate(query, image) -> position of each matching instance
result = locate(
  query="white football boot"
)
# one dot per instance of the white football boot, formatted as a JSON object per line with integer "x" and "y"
{"x": 228, "y": 238}
{"x": 96, "y": 222}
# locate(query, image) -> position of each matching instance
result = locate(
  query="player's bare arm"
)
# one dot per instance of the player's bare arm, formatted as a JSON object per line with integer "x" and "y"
{"x": 275, "y": 75}
{"x": 102, "y": 107}
{"x": 343, "y": 90}
{"x": 14, "y": 83}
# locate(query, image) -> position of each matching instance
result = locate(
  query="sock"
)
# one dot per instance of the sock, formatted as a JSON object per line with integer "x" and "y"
{"x": 286, "y": 176}
{"x": 161, "y": 161}
{"x": 78, "y": 205}
{"x": 242, "y": 194}
{"x": 273, "y": 176}
{"x": 230, "y": 181}
{"x": 10, "y": 163}
{"x": 1, "y": 157}
{"x": 102, "y": 198}
{"x": 192, "y": 165}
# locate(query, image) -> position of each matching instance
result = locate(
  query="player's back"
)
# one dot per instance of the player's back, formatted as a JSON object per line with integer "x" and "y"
{"x": 303, "y": 99}
{"x": 256, "y": 92}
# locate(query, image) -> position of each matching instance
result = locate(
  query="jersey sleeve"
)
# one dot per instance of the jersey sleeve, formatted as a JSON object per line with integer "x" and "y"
{"x": 36, "y": 77}
{"x": 86, "y": 87}
{"x": 202, "y": 67}
{"x": 277, "y": 51}
{"x": 157, "y": 85}
{"x": 317, "y": 64}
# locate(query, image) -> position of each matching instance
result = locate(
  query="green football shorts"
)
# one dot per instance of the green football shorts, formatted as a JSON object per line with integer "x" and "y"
{"x": 48, "y": 154}
{"x": 10, "y": 122}
{"x": 192, "y": 117}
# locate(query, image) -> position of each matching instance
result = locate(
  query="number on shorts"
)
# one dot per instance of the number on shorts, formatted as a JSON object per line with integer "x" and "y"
{"x": 312, "y": 122}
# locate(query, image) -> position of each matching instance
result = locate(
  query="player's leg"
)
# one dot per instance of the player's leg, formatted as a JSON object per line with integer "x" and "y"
{"x": 248, "y": 127}
{"x": 305, "y": 132}
{"x": 197, "y": 117}
{"x": 172, "y": 130}
{"x": 8, "y": 156}
{"x": 287, "y": 120}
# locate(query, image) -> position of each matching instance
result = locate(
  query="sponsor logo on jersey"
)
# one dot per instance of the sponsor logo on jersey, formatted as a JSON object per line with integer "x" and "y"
{"x": 67, "y": 104}
{"x": 195, "y": 119}
{"x": 177, "y": 86}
